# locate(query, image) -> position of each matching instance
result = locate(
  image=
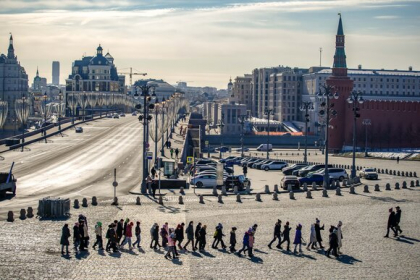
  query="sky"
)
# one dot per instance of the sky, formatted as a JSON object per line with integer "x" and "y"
{"x": 206, "y": 42}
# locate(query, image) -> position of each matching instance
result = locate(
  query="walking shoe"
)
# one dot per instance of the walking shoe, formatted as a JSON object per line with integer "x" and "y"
{"x": 269, "y": 246}
{"x": 294, "y": 252}
{"x": 62, "y": 252}
{"x": 94, "y": 248}
{"x": 386, "y": 236}
{"x": 300, "y": 251}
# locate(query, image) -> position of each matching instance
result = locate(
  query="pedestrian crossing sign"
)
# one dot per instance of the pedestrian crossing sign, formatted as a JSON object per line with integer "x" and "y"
{"x": 190, "y": 160}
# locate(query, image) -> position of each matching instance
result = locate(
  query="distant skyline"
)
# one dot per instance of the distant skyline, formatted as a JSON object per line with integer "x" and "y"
{"x": 207, "y": 42}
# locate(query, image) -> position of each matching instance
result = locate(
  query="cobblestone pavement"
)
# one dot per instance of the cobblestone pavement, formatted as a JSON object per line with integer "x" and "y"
{"x": 29, "y": 249}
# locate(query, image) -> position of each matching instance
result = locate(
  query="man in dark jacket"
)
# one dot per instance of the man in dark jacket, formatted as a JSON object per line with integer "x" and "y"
{"x": 233, "y": 240}
{"x": 197, "y": 235}
{"x": 76, "y": 236}
{"x": 218, "y": 237}
{"x": 113, "y": 238}
{"x": 190, "y": 236}
{"x": 318, "y": 229}
{"x": 65, "y": 234}
{"x": 120, "y": 229}
{"x": 391, "y": 223}
{"x": 333, "y": 242}
{"x": 277, "y": 234}
{"x": 286, "y": 236}
{"x": 397, "y": 221}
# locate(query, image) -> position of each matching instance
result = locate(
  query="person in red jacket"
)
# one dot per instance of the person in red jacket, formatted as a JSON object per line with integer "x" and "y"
{"x": 128, "y": 235}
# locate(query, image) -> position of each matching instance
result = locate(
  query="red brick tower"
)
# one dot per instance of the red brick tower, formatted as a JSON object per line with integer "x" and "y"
{"x": 343, "y": 85}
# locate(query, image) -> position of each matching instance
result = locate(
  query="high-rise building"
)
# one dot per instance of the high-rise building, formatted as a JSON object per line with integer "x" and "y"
{"x": 56, "y": 73}
{"x": 13, "y": 85}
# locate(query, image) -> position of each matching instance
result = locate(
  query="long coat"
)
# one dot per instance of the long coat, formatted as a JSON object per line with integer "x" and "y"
{"x": 312, "y": 237}
{"x": 65, "y": 236}
{"x": 391, "y": 219}
{"x": 190, "y": 232}
{"x": 339, "y": 236}
{"x": 298, "y": 237}
{"x": 318, "y": 232}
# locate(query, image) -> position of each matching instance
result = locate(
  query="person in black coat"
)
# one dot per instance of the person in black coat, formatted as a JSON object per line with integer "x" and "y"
{"x": 65, "y": 234}
{"x": 391, "y": 223}
{"x": 76, "y": 236}
{"x": 397, "y": 221}
{"x": 286, "y": 236}
{"x": 154, "y": 187}
{"x": 218, "y": 237}
{"x": 179, "y": 232}
{"x": 333, "y": 242}
{"x": 197, "y": 235}
{"x": 233, "y": 240}
{"x": 202, "y": 237}
{"x": 277, "y": 234}
{"x": 120, "y": 229}
{"x": 318, "y": 229}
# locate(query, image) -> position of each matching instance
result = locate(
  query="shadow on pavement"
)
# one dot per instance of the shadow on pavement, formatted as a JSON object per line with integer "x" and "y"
{"x": 261, "y": 252}
{"x": 82, "y": 255}
{"x": 347, "y": 259}
{"x": 177, "y": 261}
{"x": 387, "y": 199}
{"x": 141, "y": 250}
{"x": 116, "y": 254}
{"x": 409, "y": 238}
{"x": 255, "y": 259}
{"x": 195, "y": 254}
{"x": 172, "y": 210}
{"x": 207, "y": 254}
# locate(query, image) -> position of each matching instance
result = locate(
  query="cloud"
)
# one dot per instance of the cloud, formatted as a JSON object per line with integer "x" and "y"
{"x": 386, "y": 17}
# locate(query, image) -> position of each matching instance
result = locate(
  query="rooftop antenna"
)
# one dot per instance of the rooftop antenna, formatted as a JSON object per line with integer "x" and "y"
{"x": 320, "y": 56}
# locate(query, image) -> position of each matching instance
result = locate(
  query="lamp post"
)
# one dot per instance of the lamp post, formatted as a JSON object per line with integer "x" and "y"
{"x": 163, "y": 125}
{"x": 355, "y": 98}
{"x": 156, "y": 131}
{"x": 325, "y": 95}
{"x": 241, "y": 120}
{"x": 366, "y": 123}
{"x": 23, "y": 121}
{"x": 145, "y": 119}
{"x": 306, "y": 106}
{"x": 60, "y": 97}
{"x": 45, "y": 115}
{"x": 268, "y": 113}
{"x": 221, "y": 124}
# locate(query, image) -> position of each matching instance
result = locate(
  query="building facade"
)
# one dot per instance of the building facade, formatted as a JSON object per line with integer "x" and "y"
{"x": 13, "y": 85}
{"x": 241, "y": 91}
{"x": 56, "y": 73}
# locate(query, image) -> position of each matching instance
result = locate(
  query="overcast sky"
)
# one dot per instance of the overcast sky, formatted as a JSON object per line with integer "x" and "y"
{"x": 205, "y": 42}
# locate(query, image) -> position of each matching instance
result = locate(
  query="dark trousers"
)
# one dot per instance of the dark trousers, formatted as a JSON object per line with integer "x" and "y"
{"x": 288, "y": 242}
{"x": 202, "y": 244}
{"x": 277, "y": 236}
{"x": 98, "y": 242}
{"x": 156, "y": 241}
{"x": 164, "y": 241}
{"x": 232, "y": 247}
{"x": 392, "y": 228}
{"x": 216, "y": 242}
{"x": 197, "y": 241}
{"x": 244, "y": 248}
{"x": 397, "y": 228}
{"x": 333, "y": 249}
{"x": 188, "y": 242}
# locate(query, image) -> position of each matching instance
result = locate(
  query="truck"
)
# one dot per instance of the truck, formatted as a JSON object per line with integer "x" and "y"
{"x": 7, "y": 182}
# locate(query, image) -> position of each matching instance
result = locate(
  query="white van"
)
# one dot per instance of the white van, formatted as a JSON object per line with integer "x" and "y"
{"x": 265, "y": 147}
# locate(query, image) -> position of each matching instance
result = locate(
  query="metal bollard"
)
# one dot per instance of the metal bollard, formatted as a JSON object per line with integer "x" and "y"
{"x": 30, "y": 212}
{"x": 76, "y": 203}
{"x": 352, "y": 191}
{"x": 219, "y": 198}
{"x": 160, "y": 200}
{"x": 267, "y": 189}
{"x": 337, "y": 184}
{"x": 181, "y": 190}
{"x": 377, "y": 189}
{"x": 10, "y": 216}
{"x": 345, "y": 183}
{"x": 404, "y": 185}
{"x": 238, "y": 198}
{"x": 22, "y": 214}
{"x": 94, "y": 201}
{"x": 397, "y": 186}
{"x": 180, "y": 200}
{"x": 398, "y": 173}
{"x": 201, "y": 199}
{"x": 324, "y": 193}
{"x": 366, "y": 189}
{"x": 84, "y": 202}
{"x": 258, "y": 197}
{"x": 314, "y": 186}
{"x": 338, "y": 191}
{"x": 308, "y": 194}
{"x": 235, "y": 189}
{"x": 115, "y": 202}
{"x": 411, "y": 184}
{"x": 305, "y": 187}
{"x": 275, "y": 196}
{"x": 291, "y": 195}
{"x": 215, "y": 191}
{"x": 276, "y": 188}
{"x": 138, "y": 201}
{"x": 388, "y": 186}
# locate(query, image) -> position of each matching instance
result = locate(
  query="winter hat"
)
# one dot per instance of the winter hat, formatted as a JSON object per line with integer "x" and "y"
{"x": 76, "y": 224}
{"x": 317, "y": 221}
{"x": 340, "y": 223}
{"x": 234, "y": 228}
{"x": 287, "y": 223}
{"x": 99, "y": 224}
{"x": 220, "y": 225}
{"x": 131, "y": 224}
{"x": 398, "y": 207}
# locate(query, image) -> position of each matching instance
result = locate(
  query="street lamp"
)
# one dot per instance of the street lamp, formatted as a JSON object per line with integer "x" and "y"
{"x": 355, "y": 99}
{"x": 241, "y": 120}
{"x": 268, "y": 113}
{"x": 221, "y": 125}
{"x": 325, "y": 94}
{"x": 366, "y": 123}
{"x": 145, "y": 119}
{"x": 45, "y": 115}
{"x": 23, "y": 121}
{"x": 60, "y": 97}
{"x": 306, "y": 106}
{"x": 162, "y": 152}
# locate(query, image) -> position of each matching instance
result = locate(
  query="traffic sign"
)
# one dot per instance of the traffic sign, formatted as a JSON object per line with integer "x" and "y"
{"x": 207, "y": 142}
{"x": 190, "y": 160}
{"x": 149, "y": 155}
{"x": 115, "y": 184}
{"x": 147, "y": 145}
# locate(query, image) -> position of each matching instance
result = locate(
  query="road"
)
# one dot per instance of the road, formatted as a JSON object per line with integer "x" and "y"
{"x": 77, "y": 164}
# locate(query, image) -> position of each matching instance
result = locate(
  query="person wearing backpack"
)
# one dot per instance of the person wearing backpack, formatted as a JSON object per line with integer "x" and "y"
{"x": 218, "y": 237}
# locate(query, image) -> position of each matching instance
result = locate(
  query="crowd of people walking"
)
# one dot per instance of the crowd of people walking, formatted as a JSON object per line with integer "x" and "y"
{"x": 120, "y": 233}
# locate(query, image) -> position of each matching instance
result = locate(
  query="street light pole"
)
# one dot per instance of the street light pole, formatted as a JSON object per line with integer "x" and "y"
{"x": 45, "y": 116}
{"x": 366, "y": 123}
{"x": 163, "y": 125}
{"x": 326, "y": 110}
{"x": 221, "y": 125}
{"x": 242, "y": 122}
{"x": 306, "y": 106}
{"x": 268, "y": 112}
{"x": 23, "y": 121}
{"x": 355, "y": 99}
{"x": 60, "y": 97}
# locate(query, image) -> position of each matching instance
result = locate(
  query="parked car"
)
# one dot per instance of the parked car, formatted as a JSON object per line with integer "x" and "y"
{"x": 317, "y": 178}
{"x": 201, "y": 181}
{"x": 368, "y": 173}
{"x": 265, "y": 147}
{"x": 239, "y": 150}
{"x": 312, "y": 168}
{"x": 258, "y": 165}
{"x": 122, "y": 115}
{"x": 116, "y": 116}
{"x": 335, "y": 173}
{"x": 240, "y": 180}
{"x": 204, "y": 161}
{"x": 79, "y": 129}
{"x": 289, "y": 180}
{"x": 235, "y": 161}
{"x": 223, "y": 160}
{"x": 289, "y": 170}
{"x": 134, "y": 114}
{"x": 222, "y": 149}
{"x": 274, "y": 165}
{"x": 251, "y": 162}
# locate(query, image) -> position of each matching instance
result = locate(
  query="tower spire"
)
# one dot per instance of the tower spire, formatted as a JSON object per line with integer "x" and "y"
{"x": 340, "y": 64}
{"x": 11, "y": 50}
{"x": 37, "y": 72}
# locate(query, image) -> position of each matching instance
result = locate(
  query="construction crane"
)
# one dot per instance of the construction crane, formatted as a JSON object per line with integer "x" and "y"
{"x": 131, "y": 75}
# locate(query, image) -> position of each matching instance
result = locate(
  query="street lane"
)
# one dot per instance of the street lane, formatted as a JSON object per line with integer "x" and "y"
{"x": 78, "y": 164}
